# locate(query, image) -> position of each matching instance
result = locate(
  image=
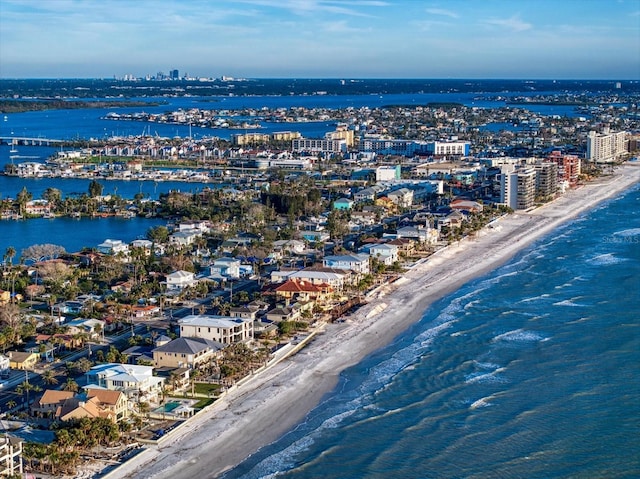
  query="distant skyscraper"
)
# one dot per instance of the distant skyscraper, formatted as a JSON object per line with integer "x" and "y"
{"x": 174, "y": 74}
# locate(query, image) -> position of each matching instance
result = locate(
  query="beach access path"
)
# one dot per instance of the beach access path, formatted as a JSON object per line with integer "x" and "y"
{"x": 274, "y": 401}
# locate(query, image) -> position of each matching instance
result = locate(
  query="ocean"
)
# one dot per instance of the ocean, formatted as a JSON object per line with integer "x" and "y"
{"x": 531, "y": 371}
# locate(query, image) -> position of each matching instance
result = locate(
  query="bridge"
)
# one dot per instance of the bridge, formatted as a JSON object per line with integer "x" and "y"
{"x": 22, "y": 140}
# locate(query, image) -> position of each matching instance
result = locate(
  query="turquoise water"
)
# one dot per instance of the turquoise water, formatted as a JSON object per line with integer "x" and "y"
{"x": 532, "y": 371}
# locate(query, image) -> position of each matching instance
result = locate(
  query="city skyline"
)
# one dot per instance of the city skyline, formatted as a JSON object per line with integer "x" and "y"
{"x": 587, "y": 39}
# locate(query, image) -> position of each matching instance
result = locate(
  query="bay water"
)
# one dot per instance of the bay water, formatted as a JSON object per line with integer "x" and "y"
{"x": 532, "y": 371}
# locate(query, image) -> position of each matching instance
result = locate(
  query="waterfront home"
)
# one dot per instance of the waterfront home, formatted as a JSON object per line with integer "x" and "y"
{"x": 223, "y": 329}
{"x": 113, "y": 401}
{"x": 184, "y": 352}
{"x": 179, "y": 280}
{"x": 406, "y": 246}
{"x": 22, "y": 359}
{"x": 135, "y": 381}
{"x": 299, "y": 290}
{"x": 282, "y": 313}
{"x": 358, "y": 263}
{"x": 38, "y": 208}
{"x": 420, "y": 234}
{"x": 113, "y": 247}
{"x": 48, "y": 404}
{"x": 386, "y": 253}
{"x": 79, "y": 407}
{"x": 402, "y": 197}
{"x": 317, "y": 275}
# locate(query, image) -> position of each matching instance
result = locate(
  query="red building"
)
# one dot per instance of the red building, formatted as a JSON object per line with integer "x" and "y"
{"x": 568, "y": 167}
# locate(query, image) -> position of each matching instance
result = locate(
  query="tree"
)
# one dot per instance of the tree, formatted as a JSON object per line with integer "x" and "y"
{"x": 53, "y": 196}
{"x": 9, "y": 255}
{"x": 23, "y": 197}
{"x": 158, "y": 234}
{"x": 42, "y": 252}
{"x": 70, "y": 385}
{"x": 49, "y": 378}
{"x": 95, "y": 189}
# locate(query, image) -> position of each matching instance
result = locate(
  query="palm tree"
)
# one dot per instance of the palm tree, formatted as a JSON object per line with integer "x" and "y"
{"x": 9, "y": 255}
{"x": 48, "y": 377}
{"x": 70, "y": 385}
{"x": 25, "y": 387}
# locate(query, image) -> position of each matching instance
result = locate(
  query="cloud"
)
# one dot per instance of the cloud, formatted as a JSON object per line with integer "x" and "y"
{"x": 315, "y": 7}
{"x": 515, "y": 24}
{"x": 440, "y": 11}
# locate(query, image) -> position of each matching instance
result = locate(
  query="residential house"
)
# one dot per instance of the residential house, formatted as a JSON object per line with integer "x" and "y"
{"x": 385, "y": 253}
{"x": 225, "y": 268}
{"x": 405, "y": 246}
{"x": 336, "y": 278}
{"x": 402, "y": 197}
{"x": 136, "y": 381}
{"x": 223, "y": 329}
{"x": 22, "y": 360}
{"x": 285, "y": 313}
{"x": 145, "y": 311}
{"x": 113, "y": 247}
{"x": 79, "y": 407}
{"x": 90, "y": 326}
{"x": 244, "y": 312}
{"x": 184, "y": 238}
{"x": 343, "y": 204}
{"x": 48, "y": 404}
{"x": 179, "y": 280}
{"x": 299, "y": 290}
{"x": 186, "y": 352}
{"x": 461, "y": 204}
{"x": 367, "y": 194}
{"x": 358, "y": 263}
{"x": 113, "y": 401}
{"x": 420, "y": 234}
{"x": 289, "y": 246}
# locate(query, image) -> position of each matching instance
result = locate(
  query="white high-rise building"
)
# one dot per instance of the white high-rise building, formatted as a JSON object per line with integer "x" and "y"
{"x": 518, "y": 187}
{"x": 606, "y": 147}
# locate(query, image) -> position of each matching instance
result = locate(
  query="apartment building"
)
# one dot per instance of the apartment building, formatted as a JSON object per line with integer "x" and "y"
{"x": 606, "y": 147}
{"x": 518, "y": 187}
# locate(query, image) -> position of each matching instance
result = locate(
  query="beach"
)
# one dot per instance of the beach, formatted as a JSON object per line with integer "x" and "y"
{"x": 273, "y": 402}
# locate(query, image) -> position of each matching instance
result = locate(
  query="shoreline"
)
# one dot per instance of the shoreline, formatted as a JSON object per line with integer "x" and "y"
{"x": 275, "y": 401}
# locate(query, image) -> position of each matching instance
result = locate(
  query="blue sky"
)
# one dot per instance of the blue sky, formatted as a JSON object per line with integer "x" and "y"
{"x": 554, "y": 39}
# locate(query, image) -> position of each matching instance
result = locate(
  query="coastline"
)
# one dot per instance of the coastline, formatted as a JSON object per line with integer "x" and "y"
{"x": 273, "y": 402}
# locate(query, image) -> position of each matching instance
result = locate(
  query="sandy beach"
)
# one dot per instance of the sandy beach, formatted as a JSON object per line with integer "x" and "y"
{"x": 276, "y": 400}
